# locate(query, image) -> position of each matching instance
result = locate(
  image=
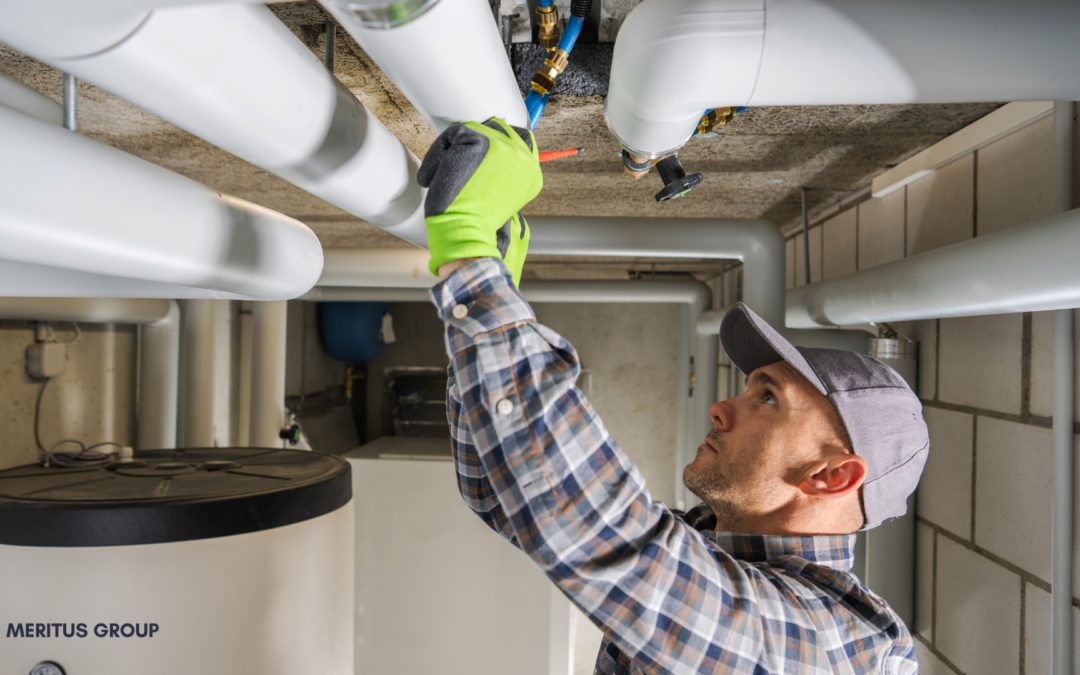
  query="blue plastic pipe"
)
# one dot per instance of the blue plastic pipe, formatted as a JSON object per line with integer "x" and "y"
{"x": 535, "y": 101}
{"x": 737, "y": 111}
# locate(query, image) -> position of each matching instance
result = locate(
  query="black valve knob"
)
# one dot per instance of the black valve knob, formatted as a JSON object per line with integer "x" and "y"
{"x": 290, "y": 434}
{"x": 676, "y": 182}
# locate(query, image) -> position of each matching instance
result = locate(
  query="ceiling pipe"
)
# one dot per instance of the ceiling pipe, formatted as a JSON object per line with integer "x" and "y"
{"x": 771, "y": 52}
{"x": 42, "y": 281}
{"x": 446, "y": 56}
{"x": 159, "y": 352}
{"x": 1027, "y": 268}
{"x": 252, "y": 88}
{"x": 105, "y": 212}
{"x": 29, "y": 102}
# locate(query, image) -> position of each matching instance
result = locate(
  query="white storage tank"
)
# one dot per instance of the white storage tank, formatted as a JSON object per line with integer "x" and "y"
{"x": 225, "y": 560}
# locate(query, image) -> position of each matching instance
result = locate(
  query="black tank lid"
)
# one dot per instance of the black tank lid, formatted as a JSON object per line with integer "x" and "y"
{"x": 169, "y": 495}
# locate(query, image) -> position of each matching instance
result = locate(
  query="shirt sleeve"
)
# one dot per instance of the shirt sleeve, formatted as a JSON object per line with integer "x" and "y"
{"x": 473, "y": 485}
{"x": 573, "y": 500}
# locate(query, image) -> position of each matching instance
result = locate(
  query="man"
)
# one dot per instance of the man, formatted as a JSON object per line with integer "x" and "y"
{"x": 756, "y": 580}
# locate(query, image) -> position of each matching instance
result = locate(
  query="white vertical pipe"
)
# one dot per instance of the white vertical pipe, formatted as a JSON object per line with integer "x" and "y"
{"x": 244, "y": 416}
{"x": 200, "y": 317}
{"x": 159, "y": 379}
{"x": 1062, "y": 619}
{"x": 268, "y": 322}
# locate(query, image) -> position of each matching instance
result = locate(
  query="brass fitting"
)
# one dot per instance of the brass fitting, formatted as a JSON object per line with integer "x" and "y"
{"x": 635, "y": 166}
{"x": 547, "y": 22}
{"x": 544, "y": 79}
{"x": 716, "y": 118}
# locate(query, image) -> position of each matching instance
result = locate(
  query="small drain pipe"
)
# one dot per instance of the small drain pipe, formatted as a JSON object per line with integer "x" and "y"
{"x": 1064, "y": 411}
{"x": 159, "y": 352}
{"x": 771, "y": 52}
{"x": 446, "y": 56}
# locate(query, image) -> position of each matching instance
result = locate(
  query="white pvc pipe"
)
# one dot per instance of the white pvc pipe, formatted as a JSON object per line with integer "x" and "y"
{"x": 449, "y": 60}
{"x": 29, "y": 102}
{"x": 251, "y": 88}
{"x": 244, "y": 396}
{"x": 1027, "y": 268}
{"x": 268, "y": 330}
{"x": 42, "y": 281}
{"x": 159, "y": 350}
{"x": 102, "y": 211}
{"x": 199, "y": 331}
{"x": 1064, "y": 413}
{"x": 377, "y": 268}
{"x": 825, "y": 52}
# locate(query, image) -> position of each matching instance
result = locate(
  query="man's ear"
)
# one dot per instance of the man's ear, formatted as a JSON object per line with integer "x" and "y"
{"x": 837, "y": 476}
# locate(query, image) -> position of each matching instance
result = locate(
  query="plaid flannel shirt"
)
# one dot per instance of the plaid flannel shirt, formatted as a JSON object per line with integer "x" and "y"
{"x": 537, "y": 465}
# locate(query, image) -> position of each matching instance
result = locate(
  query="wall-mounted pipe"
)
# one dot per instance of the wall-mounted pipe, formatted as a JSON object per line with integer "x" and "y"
{"x": 268, "y": 331}
{"x": 772, "y": 52}
{"x": 446, "y": 56}
{"x": 200, "y": 328}
{"x": 1064, "y": 419}
{"x": 123, "y": 216}
{"x": 159, "y": 350}
{"x": 1027, "y": 268}
{"x": 257, "y": 93}
{"x": 29, "y": 102}
{"x": 697, "y": 383}
{"x": 41, "y": 281}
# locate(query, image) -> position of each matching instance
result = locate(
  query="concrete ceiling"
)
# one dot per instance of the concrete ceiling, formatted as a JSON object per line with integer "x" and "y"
{"x": 755, "y": 167}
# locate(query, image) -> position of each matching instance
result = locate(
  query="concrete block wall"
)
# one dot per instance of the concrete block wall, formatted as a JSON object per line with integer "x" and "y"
{"x": 984, "y": 503}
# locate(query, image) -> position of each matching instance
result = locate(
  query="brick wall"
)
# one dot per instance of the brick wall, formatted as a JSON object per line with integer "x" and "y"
{"x": 984, "y": 503}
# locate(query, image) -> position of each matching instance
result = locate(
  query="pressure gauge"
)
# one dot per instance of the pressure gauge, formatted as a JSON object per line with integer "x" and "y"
{"x": 47, "y": 668}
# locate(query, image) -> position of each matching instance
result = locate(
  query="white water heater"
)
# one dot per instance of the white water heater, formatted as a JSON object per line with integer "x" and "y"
{"x": 225, "y": 560}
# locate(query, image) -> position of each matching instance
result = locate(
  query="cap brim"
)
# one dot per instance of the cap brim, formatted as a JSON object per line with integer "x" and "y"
{"x": 751, "y": 343}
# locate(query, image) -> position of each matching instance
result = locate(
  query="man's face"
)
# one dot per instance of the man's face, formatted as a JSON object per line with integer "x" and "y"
{"x": 761, "y": 443}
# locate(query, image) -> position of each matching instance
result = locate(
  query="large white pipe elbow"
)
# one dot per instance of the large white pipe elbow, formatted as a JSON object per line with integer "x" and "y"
{"x": 675, "y": 59}
{"x": 446, "y": 56}
{"x": 105, "y": 212}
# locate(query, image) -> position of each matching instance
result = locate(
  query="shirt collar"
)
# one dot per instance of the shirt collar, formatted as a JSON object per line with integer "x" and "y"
{"x": 836, "y": 551}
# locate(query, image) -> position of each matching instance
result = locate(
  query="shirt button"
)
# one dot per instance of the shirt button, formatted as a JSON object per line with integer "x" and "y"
{"x": 505, "y": 406}
{"x": 460, "y": 311}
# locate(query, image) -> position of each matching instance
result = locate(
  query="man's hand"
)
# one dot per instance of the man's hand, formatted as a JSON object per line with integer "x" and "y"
{"x": 479, "y": 176}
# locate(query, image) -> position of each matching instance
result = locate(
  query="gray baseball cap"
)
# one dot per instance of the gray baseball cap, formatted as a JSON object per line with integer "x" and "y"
{"x": 883, "y": 417}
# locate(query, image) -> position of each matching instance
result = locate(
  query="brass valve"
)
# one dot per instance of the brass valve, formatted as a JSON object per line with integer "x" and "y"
{"x": 547, "y": 22}
{"x": 544, "y": 79}
{"x": 715, "y": 118}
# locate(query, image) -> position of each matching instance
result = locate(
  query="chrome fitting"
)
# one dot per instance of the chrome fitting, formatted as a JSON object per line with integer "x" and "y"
{"x": 543, "y": 82}
{"x": 547, "y": 21}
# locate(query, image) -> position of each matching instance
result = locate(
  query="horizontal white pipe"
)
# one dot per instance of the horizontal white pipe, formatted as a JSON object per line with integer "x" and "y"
{"x": 449, "y": 60}
{"x": 825, "y": 52}
{"x": 102, "y": 211}
{"x": 268, "y": 329}
{"x": 42, "y": 281}
{"x": 1027, "y": 268}
{"x": 850, "y": 340}
{"x": 252, "y": 88}
{"x": 29, "y": 102}
{"x": 377, "y": 267}
{"x": 159, "y": 351}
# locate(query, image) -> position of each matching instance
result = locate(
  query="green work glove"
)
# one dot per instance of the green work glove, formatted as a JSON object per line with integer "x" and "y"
{"x": 479, "y": 176}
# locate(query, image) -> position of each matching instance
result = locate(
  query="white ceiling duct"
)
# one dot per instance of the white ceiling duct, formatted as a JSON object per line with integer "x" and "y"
{"x": 104, "y": 212}
{"x": 674, "y": 59}
{"x": 237, "y": 77}
{"x": 446, "y": 56}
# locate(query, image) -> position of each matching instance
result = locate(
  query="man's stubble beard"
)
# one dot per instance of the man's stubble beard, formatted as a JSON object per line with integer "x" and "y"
{"x": 715, "y": 484}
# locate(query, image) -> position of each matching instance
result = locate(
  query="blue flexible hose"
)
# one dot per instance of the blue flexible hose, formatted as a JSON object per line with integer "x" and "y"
{"x": 737, "y": 111}
{"x": 534, "y": 101}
